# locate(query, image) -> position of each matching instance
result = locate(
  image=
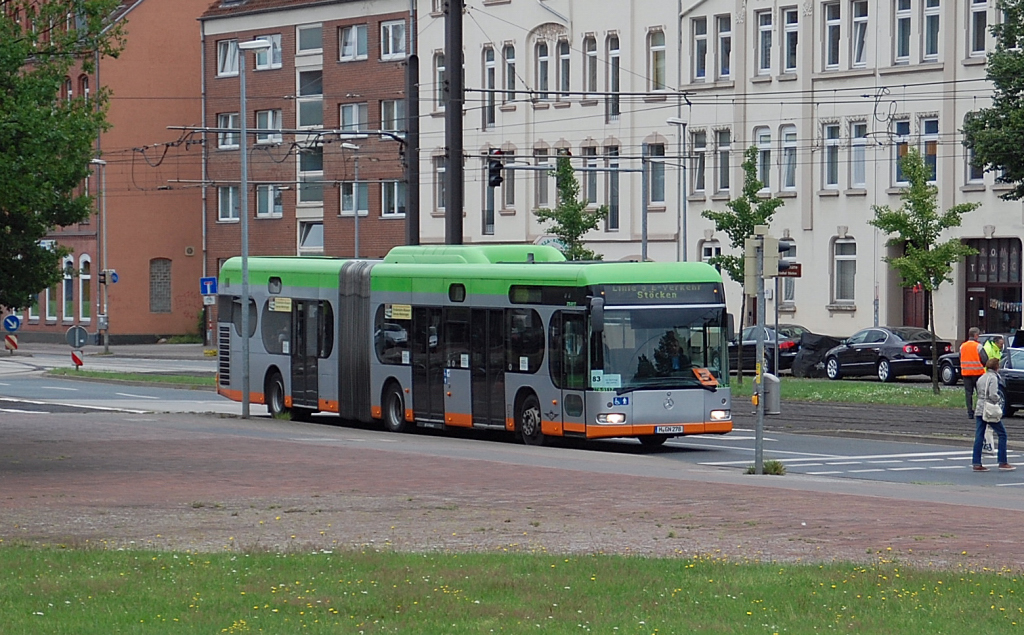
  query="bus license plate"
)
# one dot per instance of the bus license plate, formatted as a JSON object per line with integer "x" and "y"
{"x": 668, "y": 429}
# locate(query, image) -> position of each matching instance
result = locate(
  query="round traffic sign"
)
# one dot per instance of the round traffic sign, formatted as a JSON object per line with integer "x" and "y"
{"x": 113, "y": 277}
{"x": 12, "y": 323}
{"x": 77, "y": 336}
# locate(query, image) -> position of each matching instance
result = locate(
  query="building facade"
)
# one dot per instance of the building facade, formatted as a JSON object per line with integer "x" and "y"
{"x": 830, "y": 93}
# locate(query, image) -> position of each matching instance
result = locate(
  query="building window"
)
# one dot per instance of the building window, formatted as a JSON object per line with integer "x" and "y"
{"x": 764, "y": 42}
{"x": 439, "y": 184}
{"x": 542, "y": 70}
{"x": 722, "y": 142}
{"x": 227, "y": 58}
{"x": 831, "y": 168}
{"x": 611, "y": 222}
{"x": 709, "y": 249}
{"x": 269, "y": 58}
{"x": 353, "y": 43}
{"x": 789, "y": 157}
{"x": 354, "y": 117}
{"x": 900, "y": 148}
{"x": 698, "y": 164}
{"x": 439, "y": 81}
{"x": 789, "y": 284}
{"x": 392, "y": 115}
{"x": 51, "y": 303}
{"x": 268, "y": 120}
{"x": 930, "y": 146}
{"x": 791, "y": 22}
{"x": 700, "y": 48}
{"x": 656, "y": 173}
{"x": 33, "y": 309}
{"x": 860, "y": 33}
{"x": 227, "y": 203}
{"x": 858, "y": 155}
{"x": 508, "y": 185}
{"x": 724, "y": 46}
{"x": 902, "y": 39}
{"x": 656, "y": 50}
{"x": 542, "y": 180}
{"x": 590, "y": 65}
{"x": 309, "y": 38}
{"x": 931, "y": 29}
{"x": 844, "y": 270}
{"x": 392, "y": 40}
{"x": 975, "y": 173}
{"x": 228, "y": 140}
{"x": 832, "y": 31}
{"x": 268, "y": 201}
{"x": 311, "y": 99}
{"x": 490, "y": 81}
{"x": 763, "y": 137}
{"x": 353, "y": 193}
{"x": 160, "y": 285}
{"x": 311, "y": 237}
{"x": 68, "y": 290}
{"x": 509, "y": 53}
{"x": 589, "y": 178}
{"x": 979, "y": 27}
{"x": 487, "y": 217}
{"x": 564, "y": 65}
{"x": 83, "y": 87}
{"x": 67, "y": 89}
{"x": 311, "y": 174}
{"x": 614, "y": 79}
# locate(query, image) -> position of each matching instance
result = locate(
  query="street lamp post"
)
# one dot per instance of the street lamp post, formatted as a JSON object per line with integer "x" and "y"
{"x": 104, "y": 320}
{"x": 355, "y": 194}
{"x": 243, "y": 216}
{"x": 681, "y": 179}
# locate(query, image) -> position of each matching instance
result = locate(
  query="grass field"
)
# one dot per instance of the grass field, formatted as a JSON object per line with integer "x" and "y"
{"x": 184, "y": 381}
{"x": 84, "y": 591}
{"x": 898, "y": 393}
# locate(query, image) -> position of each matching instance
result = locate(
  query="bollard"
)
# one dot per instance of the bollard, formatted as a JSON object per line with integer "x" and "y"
{"x": 772, "y": 394}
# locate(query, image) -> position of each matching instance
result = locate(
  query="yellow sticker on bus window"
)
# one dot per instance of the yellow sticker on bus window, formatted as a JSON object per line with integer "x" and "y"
{"x": 281, "y": 305}
{"x": 401, "y": 311}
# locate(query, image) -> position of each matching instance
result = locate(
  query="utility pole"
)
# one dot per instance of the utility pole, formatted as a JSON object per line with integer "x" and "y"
{"x": 412, "y": 134}
{"x": 453, "y": 98}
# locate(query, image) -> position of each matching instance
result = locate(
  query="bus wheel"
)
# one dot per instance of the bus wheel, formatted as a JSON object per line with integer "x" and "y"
{"x": 653, "y": 440}
{"x": 529, "y": 421}
{"x": 275, "y": 396}
{"x": 394, "y": 409}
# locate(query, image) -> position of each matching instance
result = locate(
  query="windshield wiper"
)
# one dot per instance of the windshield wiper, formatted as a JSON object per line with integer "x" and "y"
{"x": 670, "y": 382}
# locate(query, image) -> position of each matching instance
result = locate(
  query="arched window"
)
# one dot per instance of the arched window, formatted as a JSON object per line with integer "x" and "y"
{"x": 68, "y": 289}
{"x": 543, "y": 70}
{"x": 85, "y": 288}
{"x": 490, "y": 83}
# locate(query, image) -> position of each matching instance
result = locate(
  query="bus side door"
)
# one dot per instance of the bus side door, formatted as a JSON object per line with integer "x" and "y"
{"x": 305, "y": 346}
{"x": 569, "y": 368}
{"x": 427, "y": 365}
{"x": 458, "y": 409}
{"x": 488, "y": 367}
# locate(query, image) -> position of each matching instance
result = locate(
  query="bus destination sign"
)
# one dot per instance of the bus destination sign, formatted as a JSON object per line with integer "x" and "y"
{"x": 664, "y": 293}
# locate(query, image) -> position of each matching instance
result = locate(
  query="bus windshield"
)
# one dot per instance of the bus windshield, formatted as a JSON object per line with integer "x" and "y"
{"x": 658, "y": 347}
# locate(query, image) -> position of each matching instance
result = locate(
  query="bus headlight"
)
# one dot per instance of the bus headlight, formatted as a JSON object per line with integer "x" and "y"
{"x": 721, "y": 415}
{"x": 611, "y": 417}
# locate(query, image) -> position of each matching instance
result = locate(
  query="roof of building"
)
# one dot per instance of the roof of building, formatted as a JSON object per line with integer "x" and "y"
{"x": 222, "y": 8}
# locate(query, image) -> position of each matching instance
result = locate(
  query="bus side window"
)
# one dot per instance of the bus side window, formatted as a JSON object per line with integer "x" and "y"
{"x": 326, "y": 328}
{"x": 276, "y": 330}
{"x": 391, "y": 337}
{"x": 237, "y": 316}
{"x": 525, "y": 341}
{"x": 456, "y": 336}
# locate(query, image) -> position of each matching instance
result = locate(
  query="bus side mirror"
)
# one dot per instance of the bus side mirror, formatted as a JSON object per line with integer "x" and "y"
{"x": 597, "y": 314}
{"x": 730, "y": 327}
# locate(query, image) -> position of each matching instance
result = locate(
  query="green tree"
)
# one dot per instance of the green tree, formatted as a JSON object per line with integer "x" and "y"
{"x": 570, "y": 219}
{"x": 995, "y": 135}
{"x": 46, "y": 141}
{"x": 750, "y": 209}
{"x": 916, "y": 227}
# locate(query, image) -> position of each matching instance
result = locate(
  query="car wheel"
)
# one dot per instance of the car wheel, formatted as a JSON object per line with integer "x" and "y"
{"x": 832, "y": 368}
{"x": 769, "y": 362}
{"x": 885, "y": 370}
{"x": 394, "y": 409}
{"x": 947, "y": 374}
{"x": 653, "y": 440}
{"x": 274, "y": 392}
{"x": 529, "y": 422}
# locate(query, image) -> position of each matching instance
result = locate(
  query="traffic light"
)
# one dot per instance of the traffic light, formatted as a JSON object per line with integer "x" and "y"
{"x": 775, "y": 263}
{"x": 494, "y": 166}
{"x": 787, "y": 256}
{"x": 103, "y": 276}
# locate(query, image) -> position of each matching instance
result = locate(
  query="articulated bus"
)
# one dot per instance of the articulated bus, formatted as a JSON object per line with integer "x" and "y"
{"x": 509, "y": 337}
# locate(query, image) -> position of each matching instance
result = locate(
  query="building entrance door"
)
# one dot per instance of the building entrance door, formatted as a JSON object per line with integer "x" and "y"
{"x": 993, "y": 284}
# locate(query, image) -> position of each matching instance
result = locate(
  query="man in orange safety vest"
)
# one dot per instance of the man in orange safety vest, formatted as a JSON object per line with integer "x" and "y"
{"x": 972, "y": 367}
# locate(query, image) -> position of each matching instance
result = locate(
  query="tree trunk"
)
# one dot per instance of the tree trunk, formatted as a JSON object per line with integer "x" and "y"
{"x": 935, "y": 347}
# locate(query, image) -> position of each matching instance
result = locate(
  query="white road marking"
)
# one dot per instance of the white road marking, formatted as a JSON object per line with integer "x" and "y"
{"x": 844, "y": 462}
{"x": 923, "y": 460}
{"x": 948, "y": 467}
{"x": 59, "y": 388}
{"x": 21, "y": 412}
{"x": 866, "y": 471}
{"x": 805, "y": 465}
{"x": 825, "y": 473}
{"x": 1009, "y": 484}
{"x": 127, "y": 394}
{"x": 885, "y": 461}
{"x": 905, "y": 469}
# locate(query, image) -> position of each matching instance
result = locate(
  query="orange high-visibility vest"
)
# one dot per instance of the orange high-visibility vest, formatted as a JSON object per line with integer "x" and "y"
{"x": 970, "y": 359}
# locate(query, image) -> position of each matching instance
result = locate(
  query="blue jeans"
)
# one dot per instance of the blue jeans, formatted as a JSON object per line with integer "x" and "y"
{"x": 979, "y": 439}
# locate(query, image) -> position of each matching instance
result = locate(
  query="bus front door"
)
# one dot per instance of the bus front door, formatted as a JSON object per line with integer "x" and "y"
{"x": 305, "y": 386}
{"x": 427, "y": 365}
{"x": 488, "y": 367}
{"x": 458, "y": 408}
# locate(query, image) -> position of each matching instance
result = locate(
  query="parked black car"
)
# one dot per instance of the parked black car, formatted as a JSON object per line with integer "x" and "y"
{"x": 788, "y": 343}
{"x": 1011, "y": 374}
{"x": 884, "y": 351}
{"x": 949, "y": 364}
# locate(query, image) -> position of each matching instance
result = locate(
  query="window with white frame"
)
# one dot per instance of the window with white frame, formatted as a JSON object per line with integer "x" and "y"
{"x": 979, "y": 27}
{"x": 788, "y": 157}
{"x": 227, "y": 203}
{"x": 700, "y": 48}
{"x": 311, "y": 237}
{"x": 564, "y": 66}
{"x": 932, "y": 13}
{"x": 269, "y": 58}
{"x": 490, "y": 83}
{"x": 724, "y": 46}
{"x": 310, "y": 101}
{"x": 392, "y": 115}
{"x": 764, "y": 42}
{"x": 543, "y": 70}
{"x": 311, "y": 174}
{"x": 830, "y": 168}
{"x": 542, "y": 181}
{"x": 611, "y": 222}
{"x": 614, "y": 79}
{"x": 833, "y": 28}
{"x": 392, "y": 40}
{"x": 227, "y": 58}
{"x": 352, "y": 43}
{"x": 51, "y": 303}
{"x": 844, "y": 270}
{"x": 791, "y": 24}
{"x": 353, "y": 193}
{"x": 789, "y": 284}
{"x": 439, "y": 183}
{"x": 354, "y": 117}
{"x": 269, "y": 120}
{"x": 658, "y": 78}
{"x": 901, "y": 41}
{"x": 709, "y": 249}
{"x": 33, "y": 309}
{"x": 509, "y": 54}
{"x": 656, "y": 172}
{"x": 590, "y": 65}
{"x": 930, "y": 146}
{"x": 85, "y": 289}
{"x": 508, "y": 185}
{"x": 228, "y": 140}
{"x": 68, "y": 289}
{"x": 269, "y": 202}
{"x": 975, "y": 174}
{"x": 901, "y": 145}
{"x": 859, "y": 36}
{"x": 439, "y": 80}
{"x": 858, "y": 155}
{"x": 309, "y": 38}
{"x": 590, "y": 178}
{"x": 723, "y": 148}
{"x": 698, "y": 164}
{"x": 763, "y": 138}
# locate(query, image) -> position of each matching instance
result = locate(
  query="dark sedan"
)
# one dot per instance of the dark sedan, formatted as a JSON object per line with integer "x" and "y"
{"x": 885, "y": 352}
{"x": 949, "y": 364}
{"x": 1011, "y": 376}
{"x": 788, "y": 343}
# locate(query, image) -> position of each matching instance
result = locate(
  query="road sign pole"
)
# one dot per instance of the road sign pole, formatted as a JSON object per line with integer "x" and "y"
{"x": 759, "y": 365}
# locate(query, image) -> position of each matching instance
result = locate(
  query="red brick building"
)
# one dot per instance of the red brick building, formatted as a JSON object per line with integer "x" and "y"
{"x": 330, "y": 68}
